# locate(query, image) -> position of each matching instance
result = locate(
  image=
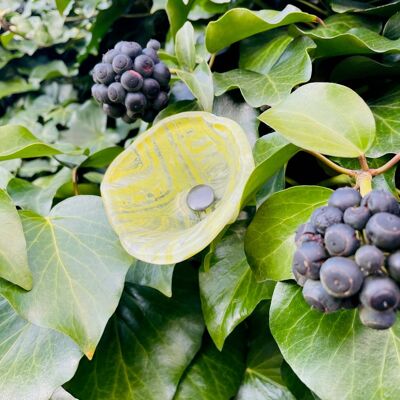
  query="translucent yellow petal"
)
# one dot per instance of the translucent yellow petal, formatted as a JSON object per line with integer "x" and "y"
{"x": 145, "y": 188}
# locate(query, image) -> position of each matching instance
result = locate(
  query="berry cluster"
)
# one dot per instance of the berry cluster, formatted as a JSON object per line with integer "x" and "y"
{"x": 131, "y": 82}
{"x": 348, "y": 255}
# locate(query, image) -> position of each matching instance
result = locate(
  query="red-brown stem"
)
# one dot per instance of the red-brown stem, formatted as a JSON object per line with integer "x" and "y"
{"x": 363, "y": 163}
{"x": 331, "y": 164}
{"x": 391, "y": 163}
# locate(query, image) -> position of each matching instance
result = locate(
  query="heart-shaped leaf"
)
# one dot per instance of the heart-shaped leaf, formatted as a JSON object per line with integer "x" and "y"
{"x": 324, "y": 117}
{"x": 34, "y": 361}
{"x": 269, "y": 242}
{"x": 78, "y": 271}
{"x": 240, "y": 23}
{"x": 185, "y": 46}
{"x": 334, "y": 354}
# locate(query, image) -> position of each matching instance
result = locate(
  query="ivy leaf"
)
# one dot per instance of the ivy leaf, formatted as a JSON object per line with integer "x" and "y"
{"x": 386, "y": 111}
{"x": 78, "y": 263}
{"x": 220, "y": 34}
{"x": 270, "y": 152}
{"x": 262, "y": 378}
{"x": 15, "y": 85}
{"x": 214, "y": 374}
{"x": 18, "y": 142}
{"x": 341, "y": 6}
{"x": 102, "y": 158}
{"x": 185, "y": 49}
{"x": 50, "y": 70}
{"x": 308, "y": 118}
{"x": 349, "y": 34}
{"x": 33, "y": 361}
{"x": 328, "y": 352}
{"x": 177, "y": 12}
{"x": 13, "y": 255}
{"x": 200, "y": 83}
{"x": 147, "y": 345}
{"x": 229, "y": 290}
{"x": 271, "y": 88}
{"x": 156, "y": 276}
{"x": 62, "y": 5}
{"x": 31, "y": 196}
{"x": 269, "y": 242}
{"x": 61, "y": 394}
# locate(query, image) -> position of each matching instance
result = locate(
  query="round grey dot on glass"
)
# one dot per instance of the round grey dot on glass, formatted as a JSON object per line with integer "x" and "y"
{"x": 200, "y": 197}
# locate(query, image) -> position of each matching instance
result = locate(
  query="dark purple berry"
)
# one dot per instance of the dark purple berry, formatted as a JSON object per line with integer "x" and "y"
{"x": 149, "y": 115}
{"x": 383, "y": 230}
{"x": 308, "y": 258}
{"x": 393, "y": 263}
{"x": 153, "y": 44}
{"x": 103, "y": 73}
{"x": 317, "y": 297}
{"x": 135, "y": 102}
{"x": 357, "y": 217}
{"x": 121, "y": 63}
{"x": 119, "y": 45}
{"x": 381, "y": 201}
{"x": 116, "y": 93}
{"x": 324, "y": 217}
{"x": 109, "y": 56}
{"x": 144, "y": 65}
{"x": 131, "y": 49}
{"x": 341, "y": 240}
{"x": 160, "y": 101}
{"x": 377, "y": 319}
{"x": 150, "y": 88}
{"x": 370, "y": 259}
{"x": 161, "y": 74}
{"x": 380, "y": 293}
{"x": 114, "y": 110}
{"x": 307, "y": 233}
{"x": 100, "y": 93}
{"x": 152, "y": 54}
{"x": 344, "y": 198}
{"x": 132, "y": 81}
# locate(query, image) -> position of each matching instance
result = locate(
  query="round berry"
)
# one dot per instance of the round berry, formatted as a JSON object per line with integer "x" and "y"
{"x": 380, "y": 293}
{"x": 149, "y": 115}
{"x": 119, "y": 45}
{"x": 370, "y": 259}
{"x": 308, "y": 258}
{"x": 100, "y": 93}
{"x": 121, "y": 63}
{"x": 152, "y": 54}
{"x": 144, "y": 65}
{"x": 135, "y": 102}
{"x": 162, "y": 74}
{"x": 160, "y": 101}
{"x": 150, "y": 88}
{"x": 393, "y": 263}
{"x": 116, "y": 93}
{"x": 153, "y": 44}
{"x": 109, "y": 56}
{"x": 377, "y": 319}
{"x": 307, "y": 233}
{"x": 341, "y": 240}
{"x": 341, "y": 277}
{"x": 357, "y": 217}
{"x": 383, "y": 230}
{"x": 131, "y": 49}
{"x": 300, "y": 279}
{"x": 381, "y": 201}
{"x": 132, "y": 81}
{"x": 103, "y": 73}
{"x": 129, "y": 120}
{"x": 114, "y": 110}
{"x": 345, "y": 197}
{"x": 324, "y": 217}
{"x": 317, "y": 297}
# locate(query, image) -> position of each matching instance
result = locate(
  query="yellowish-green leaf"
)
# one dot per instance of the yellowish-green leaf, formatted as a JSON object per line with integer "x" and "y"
{"x": 324, "y": 117}
{"x": 145, "y": 188}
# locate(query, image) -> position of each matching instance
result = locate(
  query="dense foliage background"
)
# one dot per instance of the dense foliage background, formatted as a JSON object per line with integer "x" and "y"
{"x": 199, "y": 329}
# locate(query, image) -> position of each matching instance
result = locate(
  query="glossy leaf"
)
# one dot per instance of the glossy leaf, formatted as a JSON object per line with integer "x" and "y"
{"x": 13, "y": 255}
{"x": 61, "y": 394}
{"x": 154, "y": 222}
{"x": 146, "y": 347}
{"x": 34, "y": 361}
{"x": 15, "y": 85}
{"x": 156, "y": 276}
{"x": 329, "y": 353}
{"x": 271, "y": 152}
{"x": 185, "y": 46}
{"x": 269, "y": 242}
{"x": 214, "y": 374}
{"x": 387, "y": 8}
{"x": 271, "y": 88}
{"x": 229, "y": 290}
{"x": 177, "y": 12}
{"x": 77, "y": 262}
{"x": 51, "y": 70}
{"x": 220, "y": 34}
{"x": 386, "y": 111}
{"x": 102, "y": 158}
{"x": 200, "y": 83}
{"x": 324, "y": 117}
{"x": 18, "y": 142}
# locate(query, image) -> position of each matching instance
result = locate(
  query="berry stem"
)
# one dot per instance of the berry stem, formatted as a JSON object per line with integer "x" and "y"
{"x": 363, "y": 162}
{"x": 331, "y": 164}
{"x": 211, "y": 60}
{"x": 391, "y": 163}
{"x": 364, "y": 182}
{"x": 74, "y": 174}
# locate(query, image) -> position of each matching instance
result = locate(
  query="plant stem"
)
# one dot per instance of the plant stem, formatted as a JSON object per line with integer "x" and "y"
{"x": 211, "y": 60}
{"x": 363, "y": 162}
{"x": 331, "y": 164}
{"x": 364, "y": 182}
{"x": 174, "y": 70}
{"x": 391, "y": 163}
{"x": 291, "y": 181}
{"x": 74, "y": 174}
{"x": 138, "y": 15}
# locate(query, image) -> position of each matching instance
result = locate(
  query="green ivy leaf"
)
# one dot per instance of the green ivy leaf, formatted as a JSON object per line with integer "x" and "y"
{"x": 18, "y": 142}
{"x": 272, "y": 87}
{"x": 349, "y": 34}
{"x": 386, "y": 111}
{"x": 229, "y": 290}
{"x": 341, "y": 6}
{"x": 156, "y": 276}
{"x": 200, "y": 83}
{"x": 62, "y": 5}
{"x": 33, "y": 361}
{"x": 78, "y": 263}
{"x": 309, "y": 119}
{"x": 214, "y": 374}
{"x": 185, "y": 49}
{"x": 61, "y": 394}
{"x": 269, "y": 242}
{"x": 13, "y": 255}
{"x": 177, "y": 12}
{"x": 270, "y": 152}
{"x": 16, "y": 85}
{"x": 329, "y": 353}
{"x": 147, "y": 345}
{"x": 176, "y": 108}
{"x": 102, "y": 158}
{"x": 240, "y": 23}
{"x": 50, "y": 70}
